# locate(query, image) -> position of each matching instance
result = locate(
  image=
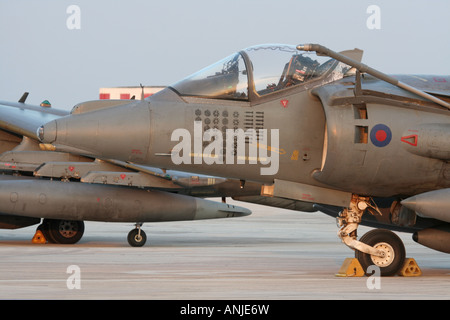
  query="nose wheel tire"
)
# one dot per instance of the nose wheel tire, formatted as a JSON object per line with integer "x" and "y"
{"x": 392, "y": 247}
{"x": 137, "y": 237}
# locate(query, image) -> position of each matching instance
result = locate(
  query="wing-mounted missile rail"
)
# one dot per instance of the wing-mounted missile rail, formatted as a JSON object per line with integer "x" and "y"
{"x": 66, "y": 166}
{"x": 30, "y": 161}
{"x": 75, "y": 170}
{"x": 136, "y": 179}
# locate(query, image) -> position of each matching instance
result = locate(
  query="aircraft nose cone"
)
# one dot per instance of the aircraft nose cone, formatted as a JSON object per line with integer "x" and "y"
{"x": 47, "y": 132}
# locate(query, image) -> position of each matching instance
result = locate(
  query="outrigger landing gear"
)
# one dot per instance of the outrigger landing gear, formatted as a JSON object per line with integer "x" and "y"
{"x": 61, "y": 231}
{"x": 379, "y": 247}
{"x": 137, "y": 236}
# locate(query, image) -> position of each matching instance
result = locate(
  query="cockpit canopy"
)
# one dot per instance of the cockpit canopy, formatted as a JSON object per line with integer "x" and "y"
{"x": 258, "y": 71}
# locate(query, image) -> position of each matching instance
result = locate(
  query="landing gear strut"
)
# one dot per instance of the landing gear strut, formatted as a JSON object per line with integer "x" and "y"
{"x": 379, "y": 247}
{"x": 137, "y": 236}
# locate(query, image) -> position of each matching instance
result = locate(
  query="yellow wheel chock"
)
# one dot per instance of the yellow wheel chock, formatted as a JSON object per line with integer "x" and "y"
{"x": 410, "y": 269}
{"x": 352, "y": 268}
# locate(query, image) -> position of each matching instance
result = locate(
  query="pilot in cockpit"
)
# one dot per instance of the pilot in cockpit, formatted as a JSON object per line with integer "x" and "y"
{"x": 298, "y": 70}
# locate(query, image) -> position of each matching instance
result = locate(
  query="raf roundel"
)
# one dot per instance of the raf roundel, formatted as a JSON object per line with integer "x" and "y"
{"x": 380, "y": 135}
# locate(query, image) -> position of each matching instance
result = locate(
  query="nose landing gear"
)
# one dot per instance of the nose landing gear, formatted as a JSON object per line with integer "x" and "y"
{"x": 379, "y": 247}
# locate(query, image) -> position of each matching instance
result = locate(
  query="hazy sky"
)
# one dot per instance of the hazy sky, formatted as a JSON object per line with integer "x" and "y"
{"x": 124, "y": 43}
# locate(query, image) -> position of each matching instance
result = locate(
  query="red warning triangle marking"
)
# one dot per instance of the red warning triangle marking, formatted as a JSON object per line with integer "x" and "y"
{"x": 412, "y": 139}
{"x": 284, "y": 103}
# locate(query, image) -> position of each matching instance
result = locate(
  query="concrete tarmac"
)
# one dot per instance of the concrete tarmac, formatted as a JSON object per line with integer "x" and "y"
{"x": 273, "y": 254}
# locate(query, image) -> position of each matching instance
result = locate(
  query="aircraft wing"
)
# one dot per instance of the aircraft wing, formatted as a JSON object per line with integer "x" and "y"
{"x": 24, "y": 119}
{"x": 436, "y": 85}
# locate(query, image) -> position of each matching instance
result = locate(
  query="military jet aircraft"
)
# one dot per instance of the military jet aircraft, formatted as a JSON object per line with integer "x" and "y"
{"x": 307, "y": 123}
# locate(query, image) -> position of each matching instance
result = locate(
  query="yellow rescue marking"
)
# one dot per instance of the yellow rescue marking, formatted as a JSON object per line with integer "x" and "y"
{"x": 269, "y": 148}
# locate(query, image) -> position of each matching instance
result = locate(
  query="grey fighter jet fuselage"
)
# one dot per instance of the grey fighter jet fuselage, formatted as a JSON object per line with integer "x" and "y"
{"x": 316, "y": 128}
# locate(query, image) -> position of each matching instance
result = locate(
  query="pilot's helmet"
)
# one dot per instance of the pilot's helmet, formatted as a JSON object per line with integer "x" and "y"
{"x": 303, "y": 68}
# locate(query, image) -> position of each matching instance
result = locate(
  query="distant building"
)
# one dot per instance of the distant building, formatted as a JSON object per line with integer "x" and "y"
{"x": 128, "y": 92}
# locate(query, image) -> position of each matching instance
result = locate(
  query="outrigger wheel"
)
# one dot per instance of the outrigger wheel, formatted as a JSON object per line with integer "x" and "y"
{"x": 62, "y": 231}
{"x": 137, "y": 236}
{"x": 392, "y": 246}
